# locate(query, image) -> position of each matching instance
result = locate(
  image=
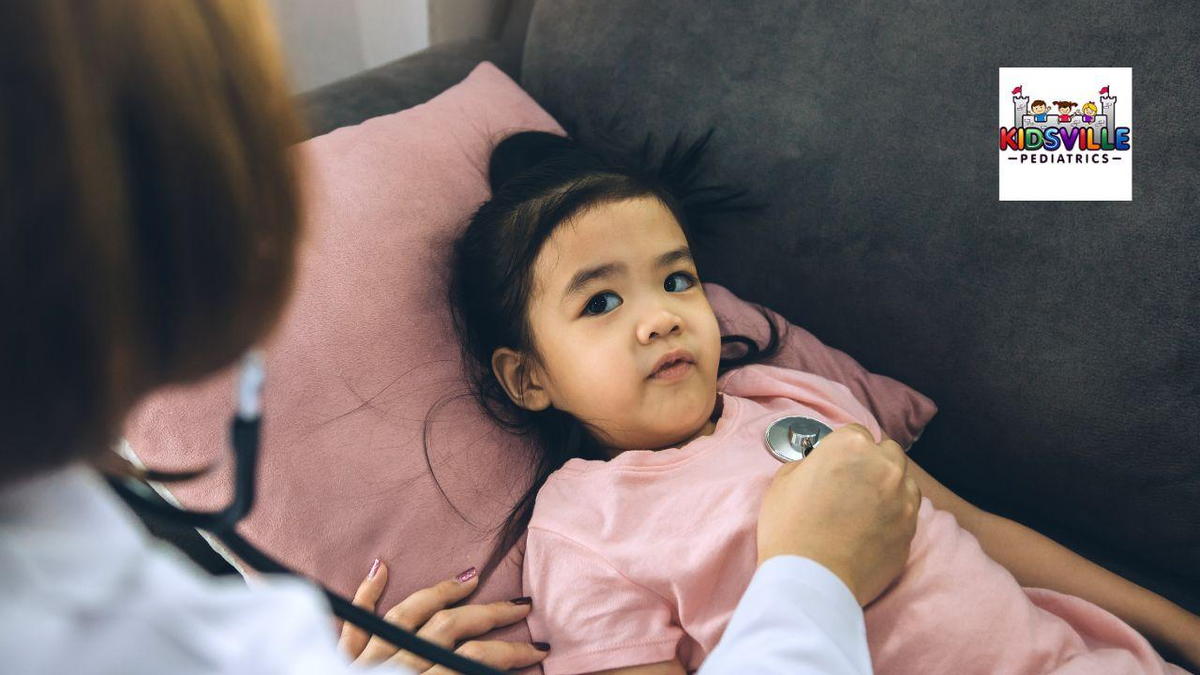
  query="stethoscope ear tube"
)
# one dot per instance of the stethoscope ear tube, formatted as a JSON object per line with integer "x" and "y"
{"x": 245, "y": 442}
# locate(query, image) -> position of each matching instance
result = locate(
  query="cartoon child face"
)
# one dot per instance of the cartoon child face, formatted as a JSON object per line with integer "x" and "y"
{"x": 1064, "y": 109}
{"x": 1089, "y": 109}
{"x": 1038, "y": 108}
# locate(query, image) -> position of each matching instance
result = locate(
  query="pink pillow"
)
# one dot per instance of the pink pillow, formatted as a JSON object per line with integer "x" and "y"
{"x": 902, "y": 412}
{"x": 366, "y": 347}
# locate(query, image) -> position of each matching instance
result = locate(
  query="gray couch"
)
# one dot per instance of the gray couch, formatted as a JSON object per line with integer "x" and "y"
{"x": 1060, "y": 340}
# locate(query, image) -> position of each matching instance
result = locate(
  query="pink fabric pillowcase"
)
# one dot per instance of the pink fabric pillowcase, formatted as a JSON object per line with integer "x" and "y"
{"x": 902, "y": 412}
{"x": 366, "y": 348}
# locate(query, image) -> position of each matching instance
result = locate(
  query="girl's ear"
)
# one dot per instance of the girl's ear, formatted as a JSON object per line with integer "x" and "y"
{"x": 521, "y": 382}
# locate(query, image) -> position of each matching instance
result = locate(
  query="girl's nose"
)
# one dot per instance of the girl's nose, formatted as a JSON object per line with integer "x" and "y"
{"x": 662, "y": 322}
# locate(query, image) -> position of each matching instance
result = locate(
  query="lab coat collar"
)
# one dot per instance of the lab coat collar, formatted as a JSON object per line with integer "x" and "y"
{"x": 65, "y": 535}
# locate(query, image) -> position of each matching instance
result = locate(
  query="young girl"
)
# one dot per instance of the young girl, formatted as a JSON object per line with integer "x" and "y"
{"x": 1064, "y": 110}
{"x": 583, "y": 322}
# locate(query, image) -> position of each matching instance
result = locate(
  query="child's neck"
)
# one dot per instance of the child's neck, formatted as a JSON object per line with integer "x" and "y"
{"x": 706, "y": 430}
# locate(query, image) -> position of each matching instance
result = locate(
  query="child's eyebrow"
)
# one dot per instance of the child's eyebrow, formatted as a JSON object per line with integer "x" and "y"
{"x": 587, "y": 275}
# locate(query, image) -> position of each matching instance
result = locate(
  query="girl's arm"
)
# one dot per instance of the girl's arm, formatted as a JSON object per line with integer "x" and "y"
{"x": 1037, "y": 561}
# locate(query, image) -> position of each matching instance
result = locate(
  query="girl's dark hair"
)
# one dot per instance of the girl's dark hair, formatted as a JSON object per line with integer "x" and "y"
{"x": 540, "y": 180}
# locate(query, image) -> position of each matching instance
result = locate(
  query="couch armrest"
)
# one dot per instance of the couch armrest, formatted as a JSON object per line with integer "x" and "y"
{"x": 400, "y": 84}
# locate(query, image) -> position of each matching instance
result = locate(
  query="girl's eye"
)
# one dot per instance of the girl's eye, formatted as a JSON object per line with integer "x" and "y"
{"x": 690, "y": 279}
{"x": 599, "y": 304}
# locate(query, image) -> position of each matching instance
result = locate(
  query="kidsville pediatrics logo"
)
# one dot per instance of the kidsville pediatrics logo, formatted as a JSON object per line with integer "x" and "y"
{"x": 1063, "y": 136}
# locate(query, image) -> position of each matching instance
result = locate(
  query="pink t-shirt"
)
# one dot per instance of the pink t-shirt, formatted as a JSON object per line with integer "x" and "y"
{"x": 644, "y": 557}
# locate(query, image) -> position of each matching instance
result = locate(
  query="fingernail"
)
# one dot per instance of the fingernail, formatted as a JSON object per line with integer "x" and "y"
{"x": 466, "y": 575}
{"x": 374, "y": 569}
{"x": 523, "y": 600}
{"x": 543, "y": 646}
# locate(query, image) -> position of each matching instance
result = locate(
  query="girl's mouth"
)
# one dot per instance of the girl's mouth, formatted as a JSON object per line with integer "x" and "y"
{"x": 676, "y": 370}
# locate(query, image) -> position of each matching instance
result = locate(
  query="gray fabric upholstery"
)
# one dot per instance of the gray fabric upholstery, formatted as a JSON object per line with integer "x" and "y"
{"x": 400, "y": 84}
{"x": 1061, "y": 340}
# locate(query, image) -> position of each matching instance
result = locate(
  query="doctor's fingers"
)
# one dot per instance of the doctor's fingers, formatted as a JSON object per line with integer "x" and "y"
{"x": 909, "y": 493}
{"x": 497, "y": 654}
{"x": 451, "y": 626}
{"x": 414, "y": 611}
{"x": 913, "y": 495}
{"x": 895, "y": 476}
{"x": 354, "y": 639}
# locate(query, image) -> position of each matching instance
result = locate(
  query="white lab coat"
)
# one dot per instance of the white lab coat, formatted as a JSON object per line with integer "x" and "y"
{"x": 85, "y": 589}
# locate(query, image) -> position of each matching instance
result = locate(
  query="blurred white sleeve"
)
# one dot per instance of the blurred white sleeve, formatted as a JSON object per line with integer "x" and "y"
{"x": 84, "y": 589}
{"x": 796, "y": 617}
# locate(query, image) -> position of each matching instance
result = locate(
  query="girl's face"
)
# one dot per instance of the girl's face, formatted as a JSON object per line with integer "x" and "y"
{"x": 615, "y": 289}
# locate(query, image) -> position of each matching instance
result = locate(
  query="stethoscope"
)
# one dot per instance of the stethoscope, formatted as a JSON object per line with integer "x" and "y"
{"x": 792, "y": 438}
{"x": 245, "y": 437}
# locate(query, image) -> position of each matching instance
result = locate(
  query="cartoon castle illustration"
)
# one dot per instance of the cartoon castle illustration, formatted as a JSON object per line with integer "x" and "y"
{"x": 1106, "y": 118}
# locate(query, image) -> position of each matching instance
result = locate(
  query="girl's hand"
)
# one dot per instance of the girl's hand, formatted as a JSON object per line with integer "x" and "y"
{"x": 426, "y": 610}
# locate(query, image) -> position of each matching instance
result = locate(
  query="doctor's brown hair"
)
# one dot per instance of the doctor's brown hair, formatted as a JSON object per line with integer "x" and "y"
{"x": 148, "y": 209}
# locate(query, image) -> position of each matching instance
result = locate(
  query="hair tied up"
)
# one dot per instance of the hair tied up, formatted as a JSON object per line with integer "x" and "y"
{"x": 523, "y": 151}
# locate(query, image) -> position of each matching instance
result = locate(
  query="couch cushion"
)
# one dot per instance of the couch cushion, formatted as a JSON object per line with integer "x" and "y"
{"x": 1060, "y": 339}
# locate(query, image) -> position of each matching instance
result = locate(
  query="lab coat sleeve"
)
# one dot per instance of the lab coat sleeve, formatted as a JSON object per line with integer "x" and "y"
{"x": 796, "y": 617}
{"x": 277, "y": 624}
{"x": 84, "y": 589}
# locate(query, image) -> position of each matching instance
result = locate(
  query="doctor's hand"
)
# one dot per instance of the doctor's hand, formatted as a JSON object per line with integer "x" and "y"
{"x": 850, "y": 505}
{"x": 425, "y": 613}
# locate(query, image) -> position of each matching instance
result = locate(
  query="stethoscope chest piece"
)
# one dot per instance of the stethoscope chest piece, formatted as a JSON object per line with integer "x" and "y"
{"x": 791, "y": 438}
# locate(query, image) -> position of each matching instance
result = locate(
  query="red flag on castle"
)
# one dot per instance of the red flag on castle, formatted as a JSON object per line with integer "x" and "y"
{"x": 1018, "y": 90}
{"x": 1104, "y": 90}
